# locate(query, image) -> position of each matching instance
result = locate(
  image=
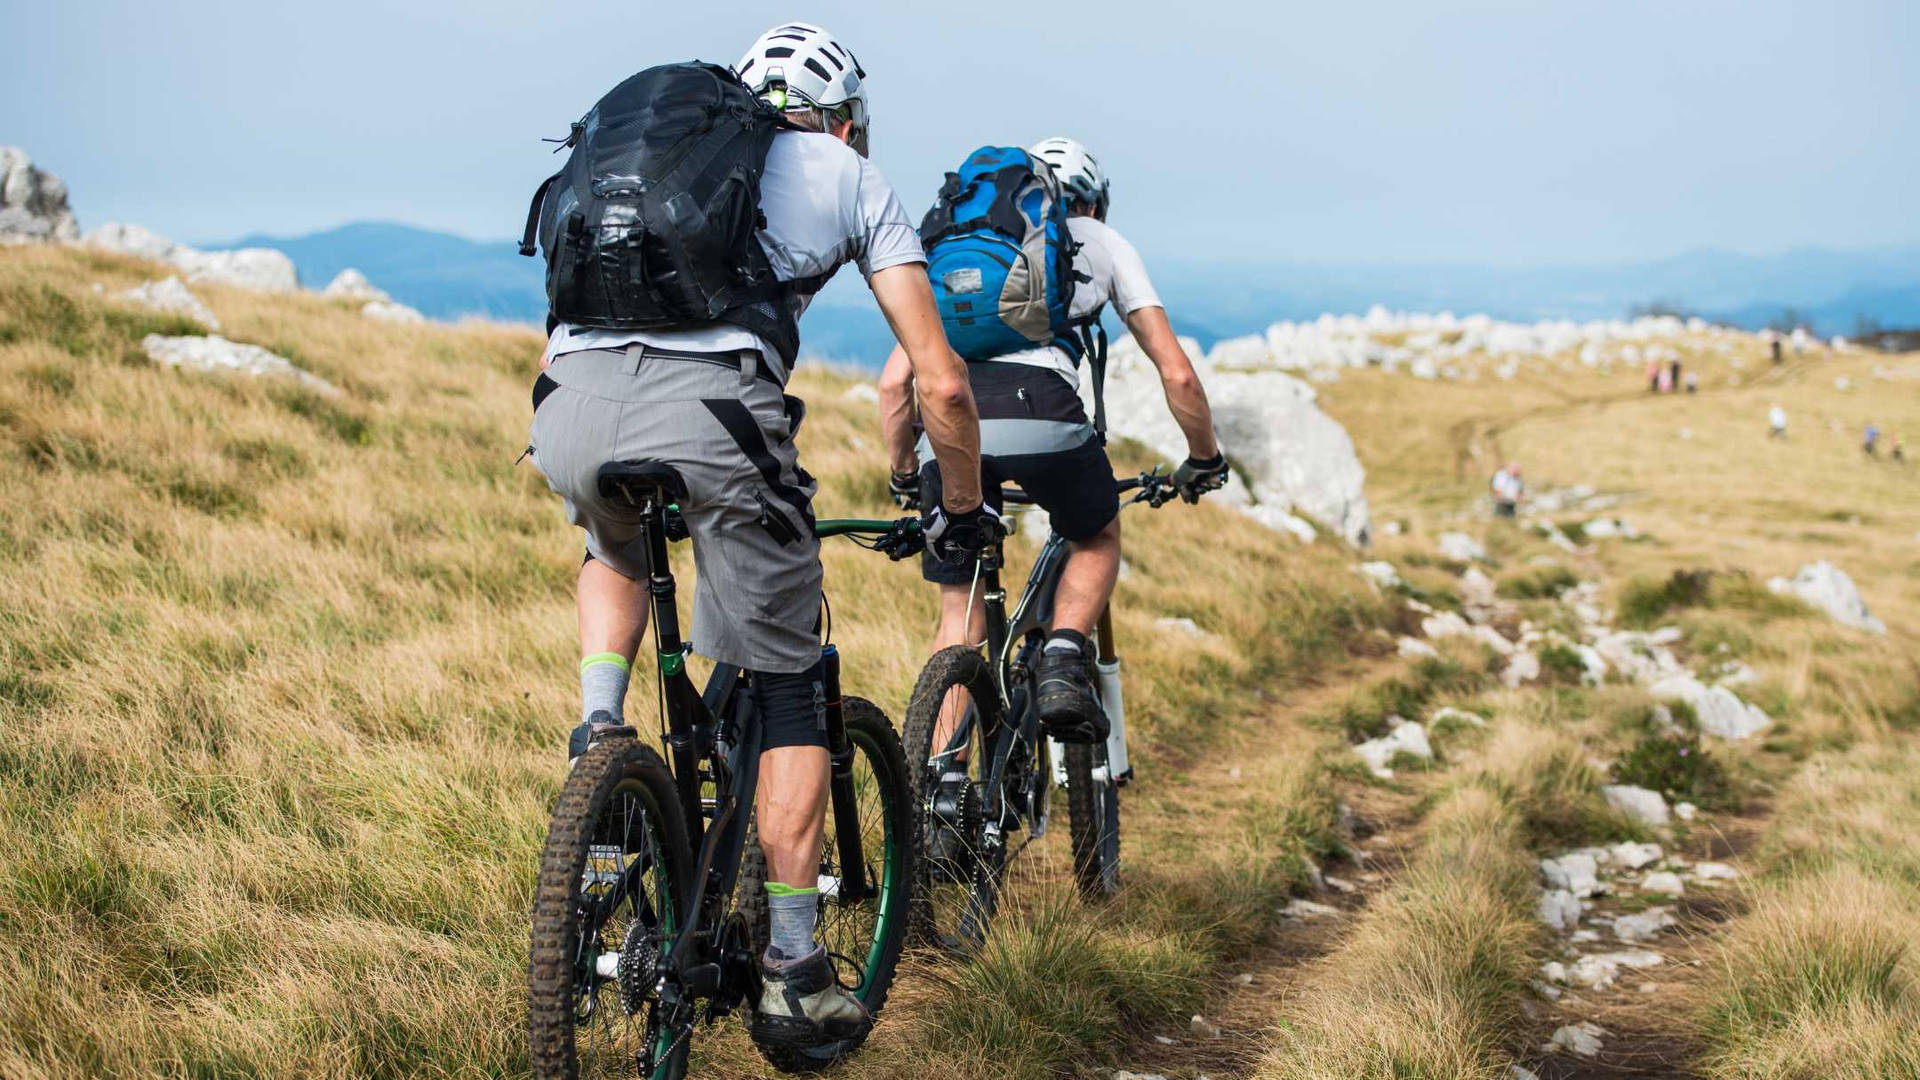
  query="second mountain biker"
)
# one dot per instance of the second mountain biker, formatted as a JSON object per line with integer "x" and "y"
{"x": 1034, "y": 432}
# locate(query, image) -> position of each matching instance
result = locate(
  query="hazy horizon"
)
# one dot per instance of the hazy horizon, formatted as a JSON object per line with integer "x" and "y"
{"x": 1494, "y": 134}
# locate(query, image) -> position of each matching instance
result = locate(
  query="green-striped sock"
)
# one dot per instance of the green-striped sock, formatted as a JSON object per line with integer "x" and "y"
{"x": 791, "y": 912}
{"x": 603, "y": 685}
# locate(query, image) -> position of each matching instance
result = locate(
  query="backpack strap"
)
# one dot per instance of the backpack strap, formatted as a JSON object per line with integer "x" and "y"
{"x": 527, "y": 246}
{"x": 1093, "y": 343}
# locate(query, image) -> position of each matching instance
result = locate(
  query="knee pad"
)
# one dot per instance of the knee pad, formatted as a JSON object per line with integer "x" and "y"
{"x": 793, "y": 708}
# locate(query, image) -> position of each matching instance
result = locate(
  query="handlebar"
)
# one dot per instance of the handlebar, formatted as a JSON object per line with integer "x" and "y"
{"x": 895, "y": 538}
{"x": 1155, "y": 489}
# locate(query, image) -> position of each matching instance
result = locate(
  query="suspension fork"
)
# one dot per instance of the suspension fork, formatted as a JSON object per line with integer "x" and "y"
{"x": 854, "y": 887}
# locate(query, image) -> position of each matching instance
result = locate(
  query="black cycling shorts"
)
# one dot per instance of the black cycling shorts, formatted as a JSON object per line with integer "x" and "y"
{"x": 1075, "y": 488}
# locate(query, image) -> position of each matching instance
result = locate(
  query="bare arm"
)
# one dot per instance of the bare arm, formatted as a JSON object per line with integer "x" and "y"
{"x": 896, "y": 411}
{"x": 939, "y": 379}
{"x": 1185, "y": 396}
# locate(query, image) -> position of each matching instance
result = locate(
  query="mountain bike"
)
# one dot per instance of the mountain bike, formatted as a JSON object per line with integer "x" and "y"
{"x": 981, "y": 767}
{"x": 650, "y": 911}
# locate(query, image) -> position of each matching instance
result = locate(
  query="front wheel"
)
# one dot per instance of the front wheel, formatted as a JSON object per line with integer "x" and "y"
{"x": 615, "y": 877}
{"x": 1093, "y": 817}
{"x": 951, "y": 719}
{"x": 863, "y": 926}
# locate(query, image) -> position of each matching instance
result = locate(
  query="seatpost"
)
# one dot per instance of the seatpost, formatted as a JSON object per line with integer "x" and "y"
{"x": 682, "y": 745}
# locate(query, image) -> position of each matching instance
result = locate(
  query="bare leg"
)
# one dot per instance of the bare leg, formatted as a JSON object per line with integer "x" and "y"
{"x": 792, "y": 803}
{"x": 961, "y": 623}
{"x": 613, "y": 611}
{"x": 1087, "y": 579}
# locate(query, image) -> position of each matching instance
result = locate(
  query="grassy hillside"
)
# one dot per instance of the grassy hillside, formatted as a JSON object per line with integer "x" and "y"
{"x": 286, "y": 681}
{"x": 285, "y": 678}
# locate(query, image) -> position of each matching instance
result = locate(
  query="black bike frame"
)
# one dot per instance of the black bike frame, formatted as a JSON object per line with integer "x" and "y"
{"x": 730, "y": 750}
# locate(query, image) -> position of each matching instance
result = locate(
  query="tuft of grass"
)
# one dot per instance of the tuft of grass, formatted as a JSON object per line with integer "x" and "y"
{"x": 1560, "y": 665}
{"x": 1537, "y": 583}
{"x": 1680, "y": 768}
{"x": 1428, "y": 983}
{"x": 1644, "y": 601}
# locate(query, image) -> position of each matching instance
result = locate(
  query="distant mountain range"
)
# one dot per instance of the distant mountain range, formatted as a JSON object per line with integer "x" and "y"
{"x": 448, "y": 276}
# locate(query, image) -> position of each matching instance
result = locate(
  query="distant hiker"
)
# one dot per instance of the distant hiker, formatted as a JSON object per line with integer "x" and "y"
{"x": 1673, "y": 375}
{"x": 1873, "y": 441}
{"x": 1773, "y": 341}
{"x": 1507, "y": 488}
{"x": 1799, "y": 341}
{"x": 1662, "y": 378}
{"x": 1899, "y": 450}
{"x": 1777, "y": 421}
{"x": 1653, "y": 374}
{"x": 1693, "y": 382}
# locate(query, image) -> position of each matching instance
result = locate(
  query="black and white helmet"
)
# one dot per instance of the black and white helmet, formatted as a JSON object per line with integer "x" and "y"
{"x": 1077, "y": 170}
{"x": 800, "y": 67}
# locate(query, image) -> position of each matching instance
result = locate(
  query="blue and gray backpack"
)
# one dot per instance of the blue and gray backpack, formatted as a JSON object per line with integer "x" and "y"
{"x": 1000, "y": 256}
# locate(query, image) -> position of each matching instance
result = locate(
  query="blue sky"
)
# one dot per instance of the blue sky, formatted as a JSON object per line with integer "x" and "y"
{"x": 1493, "y": 132}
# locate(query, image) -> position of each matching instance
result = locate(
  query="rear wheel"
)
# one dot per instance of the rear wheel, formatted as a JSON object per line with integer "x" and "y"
{"x": 614, "y": 876}
{"x": 963, "y": 855}
{"x": 863, "y": 936}
{"x": 1093, "y": 817}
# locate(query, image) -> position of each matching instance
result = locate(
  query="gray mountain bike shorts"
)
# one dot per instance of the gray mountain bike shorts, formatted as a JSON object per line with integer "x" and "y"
{"x": 726, "y": 425}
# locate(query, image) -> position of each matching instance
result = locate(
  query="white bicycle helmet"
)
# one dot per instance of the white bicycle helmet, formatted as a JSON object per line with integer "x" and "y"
{"x": 800, "y": 67}
{"x": 1078, "y": 171}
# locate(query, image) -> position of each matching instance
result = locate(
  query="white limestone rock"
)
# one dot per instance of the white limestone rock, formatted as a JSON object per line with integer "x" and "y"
{"x": 172, "y": 295}
{"x": 1413, "y": 648}
{"x": 1381, "y": 572}
{"x": 863, "y": 392}
{"x": 1631, "y": 856}
{"x": 1307, "y": 909}
{"x": 1461, "y": 547}
{"x": 259, "y": 269}
{"x": 1582, "y": 1039}
{"x": 1714, "y": 871}
{"x": 1560, "y": 909}
{"x": 1185, "y": 627}
{"x": 1476, "y": 588}
{"x": 1292, "y": 456}
{"x": 1828, "y": 588}
{"x": 1644, "y": 806}
{"x": 1406, "y": 737}
{"x": 1721, "y": 712}
{"x": 388, "y": 312}
{"x": 1663, "y": 883}
{"x": 351, "y": 284}
{"x": 1643, "y": 925}
{"x": 217, "y": 354}
{"x": 1522, "y": 667}
{"x": 33, "y": 203}
{"x": 1576, "y": 872}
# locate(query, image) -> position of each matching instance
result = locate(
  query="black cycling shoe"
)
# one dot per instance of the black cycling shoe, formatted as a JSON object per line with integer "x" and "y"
{"x": 1068, "y": 709}
{"x": 803, "y": 1007}
{"x": 598, "y": 726}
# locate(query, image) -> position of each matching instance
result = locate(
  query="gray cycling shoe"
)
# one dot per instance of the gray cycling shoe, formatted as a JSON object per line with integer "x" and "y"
{"x": 803, "y": 1007}
{"x": 1068, "y": 709}
{"x": 598, "y": 726}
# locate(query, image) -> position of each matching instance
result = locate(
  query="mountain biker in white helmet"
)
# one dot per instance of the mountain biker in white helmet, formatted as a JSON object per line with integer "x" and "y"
{"x": 1034, "y": 432}
{"x": 725, "y": 425}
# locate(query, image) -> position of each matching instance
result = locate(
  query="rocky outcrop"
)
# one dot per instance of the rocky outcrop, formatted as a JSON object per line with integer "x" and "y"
{"x": 1719, "y": 710}
{"x": 171, "y": 295}
{"x": 1294, "y": 460}
{"x": 217, "y": 354}
{"x": 260, "y": 269}
{"x": 33, "y": 203}
{"x": 1828, "y": 588}
{"x": 388, "y": 312}
{"x": 351, "y": 284}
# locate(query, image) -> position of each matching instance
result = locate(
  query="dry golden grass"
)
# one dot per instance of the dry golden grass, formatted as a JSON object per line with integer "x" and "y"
{"x": 285, "y": 682}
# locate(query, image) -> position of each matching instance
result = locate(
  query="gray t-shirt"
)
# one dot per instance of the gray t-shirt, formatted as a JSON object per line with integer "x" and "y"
{"x": 825, "y": 206}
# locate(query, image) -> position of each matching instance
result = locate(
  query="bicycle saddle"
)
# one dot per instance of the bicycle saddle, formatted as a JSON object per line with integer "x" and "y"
{"x": 626, "y": 481}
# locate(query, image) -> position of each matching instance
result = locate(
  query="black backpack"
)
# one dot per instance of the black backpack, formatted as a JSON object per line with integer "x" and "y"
{"x": 651, "y": 223}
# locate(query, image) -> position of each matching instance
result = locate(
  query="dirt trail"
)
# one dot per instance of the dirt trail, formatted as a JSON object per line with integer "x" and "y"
{"x": 1249, "y": 990}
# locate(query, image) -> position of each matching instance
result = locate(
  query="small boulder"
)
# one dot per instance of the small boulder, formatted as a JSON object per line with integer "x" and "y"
{"x": 1631, "y": 856}
{"x": 1461, "y": 547}
{"x": 351, "y": 284}
{"x": 217, "y": 354}
{"x": 388, "y": 312}
{"x": 1644, "y": 806}
{"x": 1413, "y": 648}
{"x": 1662, "y": 883}
{"x": 1382, "y": 572}
{"x": 1828, "y": 588}
{"x": 1560, "y": 909}
{"x": 33, "y": 203}
{"x": 1714, "y": 871}
{"x": 1406, "y": 737}
{"x": 1576, "y": 872}
{"x": 1720, "y": 711}
{"x": 1582, "y": 1039}
{"x": 171, "y": 295}
{"x": 1185, "y": 627}
{"x": 1643, "y": 925}
{"x": 1522, "y": 667}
